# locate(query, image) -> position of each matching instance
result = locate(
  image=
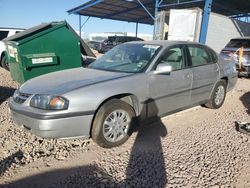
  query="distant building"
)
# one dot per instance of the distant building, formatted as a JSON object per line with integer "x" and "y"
{"x": 105, "y": 35}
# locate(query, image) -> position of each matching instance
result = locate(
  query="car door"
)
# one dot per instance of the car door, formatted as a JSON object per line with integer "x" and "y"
{"x": 170, "y": 92}
{"x": 205, "y": 73}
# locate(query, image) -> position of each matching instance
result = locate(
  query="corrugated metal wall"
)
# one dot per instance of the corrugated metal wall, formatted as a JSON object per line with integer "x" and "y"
{"x": 221, "y": 29}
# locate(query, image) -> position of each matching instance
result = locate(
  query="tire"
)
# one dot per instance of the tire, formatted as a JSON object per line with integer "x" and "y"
{"x": 103, "y": 123}
{"x": 5, "y": 64}
{"x": 218, "y": 95}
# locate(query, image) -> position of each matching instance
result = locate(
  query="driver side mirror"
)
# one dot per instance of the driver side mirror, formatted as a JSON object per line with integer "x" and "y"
{"x": 162, "y": 68}
{"x": 86, "y": 60}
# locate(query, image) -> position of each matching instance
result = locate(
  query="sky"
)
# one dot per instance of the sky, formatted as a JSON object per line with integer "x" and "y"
{"x": 29, "y": 13}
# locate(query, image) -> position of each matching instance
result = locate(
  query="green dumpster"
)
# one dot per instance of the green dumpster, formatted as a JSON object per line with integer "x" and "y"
{"x": 45, "y": 48}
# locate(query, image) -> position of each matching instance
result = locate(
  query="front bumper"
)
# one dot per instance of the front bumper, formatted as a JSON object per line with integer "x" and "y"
{"x": 50, "y": 127}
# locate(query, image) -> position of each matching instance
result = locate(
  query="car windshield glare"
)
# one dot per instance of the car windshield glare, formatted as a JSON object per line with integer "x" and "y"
{"x": 129, "y": 57}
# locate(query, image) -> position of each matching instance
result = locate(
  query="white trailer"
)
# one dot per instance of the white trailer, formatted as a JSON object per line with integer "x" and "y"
{"x": 185, "y": 24}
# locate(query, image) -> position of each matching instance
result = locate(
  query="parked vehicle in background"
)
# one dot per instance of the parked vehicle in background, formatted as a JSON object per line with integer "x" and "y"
{"x": 133, "y": 81}
{"x": 4, "y": 33}
{"x": 239, "y": 50}
{"x": 94, "y": 44}
{"x": 113, "y": 41}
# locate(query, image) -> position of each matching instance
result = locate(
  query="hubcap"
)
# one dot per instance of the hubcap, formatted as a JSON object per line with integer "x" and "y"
{"x": 116, "y": 125}
{"x": 219, "y": 95}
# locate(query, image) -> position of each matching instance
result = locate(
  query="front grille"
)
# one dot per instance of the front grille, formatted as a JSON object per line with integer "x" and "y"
{"x": 21, "y": 97}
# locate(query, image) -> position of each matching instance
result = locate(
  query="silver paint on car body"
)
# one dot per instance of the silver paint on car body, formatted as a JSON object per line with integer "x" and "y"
{"x": 87, "y": 89}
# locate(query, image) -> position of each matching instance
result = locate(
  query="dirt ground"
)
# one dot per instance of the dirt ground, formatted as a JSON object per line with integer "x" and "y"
{"x": 198, "y": 147}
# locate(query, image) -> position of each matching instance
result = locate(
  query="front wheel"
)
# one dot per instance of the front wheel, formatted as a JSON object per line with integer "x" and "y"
{"x": 218, "y": 95}
{"x": 112, "y": 123}
{"x": 5, "y": 63}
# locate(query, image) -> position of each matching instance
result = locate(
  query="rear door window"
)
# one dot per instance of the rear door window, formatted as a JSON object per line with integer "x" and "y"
{"x": 3, "y": 34}
{"x": 199, "y": 56}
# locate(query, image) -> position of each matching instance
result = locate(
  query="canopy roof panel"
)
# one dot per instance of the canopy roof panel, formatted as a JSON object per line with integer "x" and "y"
{"x": 132, "y": 10}
{"x": 116, "y": 10}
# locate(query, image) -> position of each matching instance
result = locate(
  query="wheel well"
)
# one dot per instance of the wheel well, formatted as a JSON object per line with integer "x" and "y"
{"x": 226, "y": 79}
{"x": 2, "y": 55}
{"x": 131, "y": 99}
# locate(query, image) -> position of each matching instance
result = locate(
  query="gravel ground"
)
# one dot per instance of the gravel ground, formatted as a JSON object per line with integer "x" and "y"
{"x": 20, "y": 148}
{"x": 195, "y": 148}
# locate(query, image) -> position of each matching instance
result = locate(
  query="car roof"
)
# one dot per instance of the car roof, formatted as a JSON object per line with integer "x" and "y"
{"x": 164, "y": 42}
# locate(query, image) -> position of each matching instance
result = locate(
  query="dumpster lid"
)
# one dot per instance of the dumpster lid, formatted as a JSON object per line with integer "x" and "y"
{"x": 85, "y": 50}
{"x": 28, "y": 32}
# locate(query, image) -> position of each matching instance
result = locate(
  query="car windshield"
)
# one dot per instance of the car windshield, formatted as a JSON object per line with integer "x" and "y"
{"x": 129, "y": 57}
{"x": 238, "y": 43}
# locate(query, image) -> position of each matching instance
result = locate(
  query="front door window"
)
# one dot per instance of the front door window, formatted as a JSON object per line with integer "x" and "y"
{"x": 174, "y": 58}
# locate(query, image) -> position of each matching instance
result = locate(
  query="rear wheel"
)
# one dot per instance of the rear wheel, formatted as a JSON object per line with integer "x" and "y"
{"x": 218, "y": 95}
{"x": 5, "y": 63}
{"x": 112, "y": 124}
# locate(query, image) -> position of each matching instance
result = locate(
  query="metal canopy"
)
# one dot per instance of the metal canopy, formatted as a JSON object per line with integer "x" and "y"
{"x": 142, "y": 11}
{"x": 116, "y": 10}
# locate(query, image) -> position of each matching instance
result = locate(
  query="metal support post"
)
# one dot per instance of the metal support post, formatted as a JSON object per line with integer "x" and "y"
{"x": 156, "y": 12}
{"x": 80, "y": 26}
{"x": 156, "y": 7}
{"x": 146, "y": 9}
{"x": 136, "y": 29}
{"x": 205, "y": 21}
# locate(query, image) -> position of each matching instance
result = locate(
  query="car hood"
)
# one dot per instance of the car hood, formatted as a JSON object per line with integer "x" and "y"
{"x": 64, "y": 81}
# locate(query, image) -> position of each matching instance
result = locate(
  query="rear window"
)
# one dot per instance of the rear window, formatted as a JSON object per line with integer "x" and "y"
{"x": 3, "y": 34}
{"x": 212, "y": 53}
{"x": 111, "y": 39}
{"x": 139, "y": 39}
{"x": 238, "y": 43}
{"x": 121, "y": 39}
{"x": 130, "y": 39}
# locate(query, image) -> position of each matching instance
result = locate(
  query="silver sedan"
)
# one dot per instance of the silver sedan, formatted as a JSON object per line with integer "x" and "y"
{"x": 134, "y": 81}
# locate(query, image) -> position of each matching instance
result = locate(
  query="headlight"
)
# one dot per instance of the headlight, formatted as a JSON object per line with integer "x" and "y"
{"x": 16, "y": 93}
{"x": 48, "y": 102}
